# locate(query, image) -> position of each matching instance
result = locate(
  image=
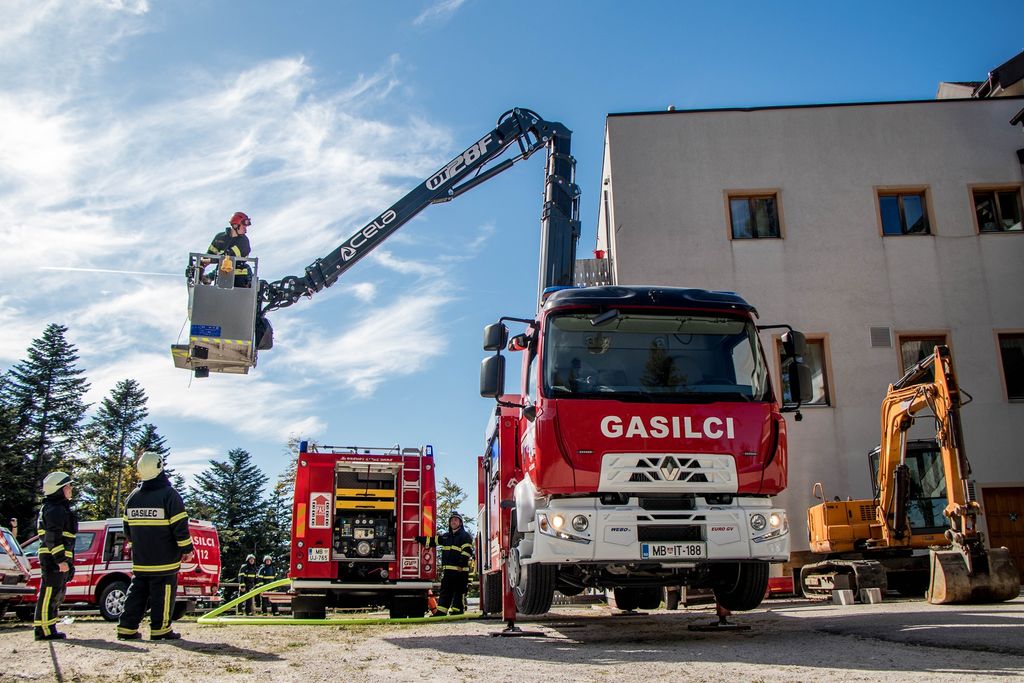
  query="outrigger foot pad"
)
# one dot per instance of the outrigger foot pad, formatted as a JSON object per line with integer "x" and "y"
{"x": 513, "y": 631}
{"x": 723, "y": 624}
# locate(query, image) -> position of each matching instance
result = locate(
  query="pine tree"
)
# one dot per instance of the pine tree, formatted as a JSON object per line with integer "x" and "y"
{"x": 229, "y": 494}
{"x": 450, "y": 497}
{"x": 277, "y": 521}
{"x": 46, "y": 390}
{"x": 114, "y": 437}
{"x": 16, "y": 486}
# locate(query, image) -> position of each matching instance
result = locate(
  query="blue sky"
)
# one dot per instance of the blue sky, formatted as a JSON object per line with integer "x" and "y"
{"x": 131, "y": 130}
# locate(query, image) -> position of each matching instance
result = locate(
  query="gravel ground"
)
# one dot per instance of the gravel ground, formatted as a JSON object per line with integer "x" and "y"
{"x": 788, "y": 641}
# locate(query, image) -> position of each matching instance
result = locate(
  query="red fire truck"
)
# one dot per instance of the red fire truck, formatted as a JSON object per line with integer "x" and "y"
{"x": 642, "y": 451}
{"x": 356, "y": 515}
{"x": 103, "y": 569}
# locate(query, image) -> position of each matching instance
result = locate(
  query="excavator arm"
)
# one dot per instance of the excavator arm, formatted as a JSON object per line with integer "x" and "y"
{"x": 520, "y": 129}
{"x": 930, "y": 384}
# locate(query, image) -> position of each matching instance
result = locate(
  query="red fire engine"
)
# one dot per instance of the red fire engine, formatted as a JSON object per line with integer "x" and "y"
{"x": 103, "y": 569}
{"x": 356, "y": 515}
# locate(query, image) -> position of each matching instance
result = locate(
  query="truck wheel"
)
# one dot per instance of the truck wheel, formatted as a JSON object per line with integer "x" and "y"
{"x": 408, "y": 606}
{"x": 309, "y": 607}
{"x": 111, "y": 600}
{"x": 26, "y": 613}
{"x": 741, "y": 586}
{"x": 649, "y": 597}
{"x": 179, "y": 610}
{"x": 490, "y": 593}
{"x": 627, "y": 598}
{"x": 533, "y": 585}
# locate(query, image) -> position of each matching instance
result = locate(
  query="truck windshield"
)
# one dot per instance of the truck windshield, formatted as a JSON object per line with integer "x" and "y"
{"x": 654, "y": 357}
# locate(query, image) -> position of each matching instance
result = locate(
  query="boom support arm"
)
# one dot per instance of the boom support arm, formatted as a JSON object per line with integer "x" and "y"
{"x": 560, "y": 219}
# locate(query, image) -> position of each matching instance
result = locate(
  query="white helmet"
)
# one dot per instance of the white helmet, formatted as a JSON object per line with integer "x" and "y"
{"x": 150, "y": 465}
{"x": 54, "y": 482}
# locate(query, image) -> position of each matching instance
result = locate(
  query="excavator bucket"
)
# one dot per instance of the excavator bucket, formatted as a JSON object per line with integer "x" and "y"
{"x": 995, "y": 578}
{"x": 222, "y": 310}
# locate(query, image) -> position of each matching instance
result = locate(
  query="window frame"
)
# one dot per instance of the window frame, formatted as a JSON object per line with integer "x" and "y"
{"x": 924, "y": 191}
{"x": 750, "y": 194}
{"x": 826, "y": 359}
{"x": 1018, "y": 331}
{"x": 918, "y": 335}
{"x": 994, "y": 188}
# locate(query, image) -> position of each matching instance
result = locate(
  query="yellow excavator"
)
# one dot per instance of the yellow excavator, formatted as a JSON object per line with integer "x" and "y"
{"x": 872, "y": 543}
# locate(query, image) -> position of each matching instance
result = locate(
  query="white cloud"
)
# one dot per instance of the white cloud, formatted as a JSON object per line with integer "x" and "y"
{"x": 364, "y": 291}
{"x": 439, "y": 11}
{"x": 264, "y": 408}
{"x": 406, "y": 266}
{"x": 392, "y": 341}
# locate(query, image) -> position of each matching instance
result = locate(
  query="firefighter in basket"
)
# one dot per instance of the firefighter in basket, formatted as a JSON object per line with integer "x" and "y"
{"x": 456, "y": 546}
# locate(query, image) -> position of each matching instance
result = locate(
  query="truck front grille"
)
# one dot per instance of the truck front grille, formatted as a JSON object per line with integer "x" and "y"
{"x": 689, "y": 472}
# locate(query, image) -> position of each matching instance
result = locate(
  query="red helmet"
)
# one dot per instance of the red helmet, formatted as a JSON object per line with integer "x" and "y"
{"x": 239, "y": 219}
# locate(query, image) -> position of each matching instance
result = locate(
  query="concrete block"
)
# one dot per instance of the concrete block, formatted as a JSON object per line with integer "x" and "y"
{"x": 842, "y": 597}
{"x": 871, "y": 596}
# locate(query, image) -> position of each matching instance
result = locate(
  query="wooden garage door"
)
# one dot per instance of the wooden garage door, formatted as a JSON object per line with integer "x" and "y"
{"x": 1004, "y": 511}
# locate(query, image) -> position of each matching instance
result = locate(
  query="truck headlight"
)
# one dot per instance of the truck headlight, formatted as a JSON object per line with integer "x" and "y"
{"x": 758, "y": 522}
{"x": 558, "y": 521}
{"x": 775, "y": 519}
{"x": 580, "y": 523}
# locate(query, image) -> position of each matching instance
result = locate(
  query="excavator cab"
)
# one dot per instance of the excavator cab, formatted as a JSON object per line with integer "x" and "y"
{"x": 223, "y": 307}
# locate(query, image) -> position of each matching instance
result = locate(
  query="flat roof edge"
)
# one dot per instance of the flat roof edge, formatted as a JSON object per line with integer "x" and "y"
{"x": 812, "y": 106}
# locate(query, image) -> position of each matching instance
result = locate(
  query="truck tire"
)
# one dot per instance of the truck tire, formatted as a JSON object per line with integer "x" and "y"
{"x": 111, "y": 600}
{"x": 741, "y": 586}
{"x": 408, "y": 606}
{"x": 627, "y": 598}
{"x": 180, "y": 608}
{"x": 649, "y": 597}
{"x": 490, "y": 593}
{"x": 309, "y": 607}
{"x": 25, "y": 612}
{"x": 533, "y": 585}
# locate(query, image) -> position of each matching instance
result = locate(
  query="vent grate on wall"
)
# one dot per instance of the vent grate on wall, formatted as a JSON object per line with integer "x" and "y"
{"x": 881, "y": 337}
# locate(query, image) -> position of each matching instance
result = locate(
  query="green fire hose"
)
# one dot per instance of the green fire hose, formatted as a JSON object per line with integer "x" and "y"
{"x": 214, "y": 618}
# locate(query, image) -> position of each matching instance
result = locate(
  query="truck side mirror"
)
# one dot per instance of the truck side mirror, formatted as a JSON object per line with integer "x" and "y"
{"x": 492, "y": 376}
{"x": 495, "y": 337}
{"x": 799, "y": 378}
{"x": 794, "y": 344}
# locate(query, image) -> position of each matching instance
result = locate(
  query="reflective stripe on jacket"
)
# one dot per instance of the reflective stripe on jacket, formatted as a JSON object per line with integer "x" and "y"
{"x": 156, "y": 523}
{"x": 57, "y": 527}
{"x": 456, "y": 549}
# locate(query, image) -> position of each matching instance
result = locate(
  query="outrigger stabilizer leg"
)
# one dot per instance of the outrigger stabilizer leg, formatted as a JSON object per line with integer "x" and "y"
{"x": 722, "y": 624}
{"x": 508, "y": 613}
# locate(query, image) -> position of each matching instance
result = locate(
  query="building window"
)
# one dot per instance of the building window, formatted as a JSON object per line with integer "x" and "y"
{"x": 815, "y": 359}
{"x": 998, "y": 210}
{"x": 1011, "y": 349}
{"x": 914, "y": 348}
{"x": 903, "y": 213}
{"x": 754, "y": 215}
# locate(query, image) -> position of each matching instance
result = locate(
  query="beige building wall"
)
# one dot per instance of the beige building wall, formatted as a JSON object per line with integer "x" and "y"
{"x": 664, "y": 219}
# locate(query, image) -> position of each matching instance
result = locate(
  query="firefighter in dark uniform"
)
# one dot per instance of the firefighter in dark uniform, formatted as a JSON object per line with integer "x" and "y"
{"x": 57, "y": 527}
{"x": 456, "y": 548}
{"x": 247, "y": 575}
{"x": 156, "y": 523}
{"x": 267, "y": 574}
{"x": 233, "y": 241}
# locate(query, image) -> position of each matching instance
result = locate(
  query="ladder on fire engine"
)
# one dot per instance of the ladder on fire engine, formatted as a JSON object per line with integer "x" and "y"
{"x": 411, "y": 515}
